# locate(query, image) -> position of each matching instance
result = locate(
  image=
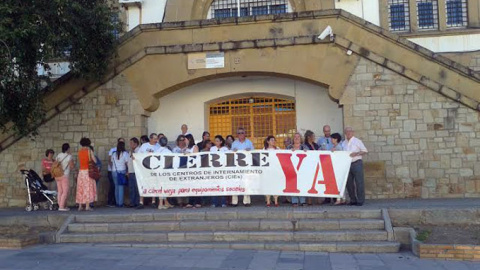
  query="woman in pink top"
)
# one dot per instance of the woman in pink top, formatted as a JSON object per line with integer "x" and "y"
{"x": 47, "y": 167}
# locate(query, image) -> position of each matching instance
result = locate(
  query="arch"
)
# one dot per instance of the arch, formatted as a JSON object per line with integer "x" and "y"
{"x": 248, "y": 94}
{"x": 327, "y": 66}
{"x": 311, "y": 101}
{"x": 200, "y": 8}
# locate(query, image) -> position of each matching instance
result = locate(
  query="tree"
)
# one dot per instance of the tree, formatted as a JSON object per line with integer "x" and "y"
{"x": 33, "y": 32}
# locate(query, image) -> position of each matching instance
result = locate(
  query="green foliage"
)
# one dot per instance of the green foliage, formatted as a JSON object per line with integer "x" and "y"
{"x": 33, "y": 32}
{"x": 423, "y": 235}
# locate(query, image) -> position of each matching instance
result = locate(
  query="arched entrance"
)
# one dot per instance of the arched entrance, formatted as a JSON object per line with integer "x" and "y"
{"x": 263, "y": 105}
{"x": 261, "y": 116}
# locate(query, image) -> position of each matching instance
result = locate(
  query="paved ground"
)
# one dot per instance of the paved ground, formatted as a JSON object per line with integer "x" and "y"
{"x": 70, "y": 257}
{"x": 369, "y": 204}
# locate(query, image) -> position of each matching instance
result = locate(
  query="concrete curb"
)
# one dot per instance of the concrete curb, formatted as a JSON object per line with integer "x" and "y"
{"x": 388, "y": 225}
{"x": 415, "y": 243}
{"x": 63, "y": 228}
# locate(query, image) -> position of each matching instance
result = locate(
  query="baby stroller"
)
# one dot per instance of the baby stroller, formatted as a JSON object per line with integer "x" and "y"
{"x": 38, "y": 193}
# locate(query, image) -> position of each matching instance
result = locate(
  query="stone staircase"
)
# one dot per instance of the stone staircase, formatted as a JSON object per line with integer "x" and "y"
{"x": 299, "y": 229}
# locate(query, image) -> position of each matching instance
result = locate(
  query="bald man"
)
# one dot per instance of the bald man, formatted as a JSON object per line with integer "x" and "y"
{"x": 355, "y": 182}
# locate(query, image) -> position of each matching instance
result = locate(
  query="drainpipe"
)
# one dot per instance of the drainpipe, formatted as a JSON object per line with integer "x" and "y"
{"x": 238, "y": 8}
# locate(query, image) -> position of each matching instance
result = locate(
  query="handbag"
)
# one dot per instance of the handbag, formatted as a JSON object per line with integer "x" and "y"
{"x": 47, "y": 178}
{"x": 121, "y": 177}
{"x": 57, "y": 170}
{"x": 93, "y": 171}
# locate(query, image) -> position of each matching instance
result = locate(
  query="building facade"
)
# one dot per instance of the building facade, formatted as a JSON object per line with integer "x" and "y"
{"x": 403, "y": 73}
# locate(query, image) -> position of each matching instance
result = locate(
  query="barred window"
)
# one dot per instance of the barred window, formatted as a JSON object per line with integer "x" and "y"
{"x": 427, "y": 14}
{"x": 259, "y": 116}
{"x": 229, "y": 8}
{"x": 456, "y": 13}
{"x": 399, "y": 15}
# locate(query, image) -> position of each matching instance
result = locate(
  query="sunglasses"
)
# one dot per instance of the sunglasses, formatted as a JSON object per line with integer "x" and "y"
{"x": 240, "y": 132}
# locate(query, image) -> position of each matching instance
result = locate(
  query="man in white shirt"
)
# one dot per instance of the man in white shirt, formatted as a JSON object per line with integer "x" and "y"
{"x": 163, "y": 203}
{"x": 355, "y": 182}
{"x": 132, "y": 179}
{"x": 111, "y": 190}
{"x": 242, "y": 143}
{"x": 184, "y": 129}
{"x": 163, "y": 147}
{"x": 151, "y": 146}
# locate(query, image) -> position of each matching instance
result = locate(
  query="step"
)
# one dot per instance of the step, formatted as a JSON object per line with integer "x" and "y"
{"x": 227, "y": 236}
{"x": 353, "y": 247}
{"x": 229, "y": 225}
{"x": 231, "y": 214}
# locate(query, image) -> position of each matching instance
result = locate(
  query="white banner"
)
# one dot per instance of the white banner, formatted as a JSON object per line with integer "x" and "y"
{"x": 282, "y": 172}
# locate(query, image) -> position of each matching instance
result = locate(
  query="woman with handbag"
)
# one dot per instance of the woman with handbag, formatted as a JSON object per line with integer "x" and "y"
{"x": 86, "y": 187}
{"x": 65, "y": 163}
{"x": 119, "y": 171}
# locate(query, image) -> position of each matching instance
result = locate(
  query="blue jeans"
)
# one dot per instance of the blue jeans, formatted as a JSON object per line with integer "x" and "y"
{"x": 118, "y": 188}
{"x": 297, "y": 200}
{"x": 219, "y": 200}
{"x": 133, "y": 190}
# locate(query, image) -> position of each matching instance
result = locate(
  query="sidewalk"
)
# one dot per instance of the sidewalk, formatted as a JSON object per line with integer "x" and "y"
{"x": 470, "y": 203}
{"x": 88, "y": 257}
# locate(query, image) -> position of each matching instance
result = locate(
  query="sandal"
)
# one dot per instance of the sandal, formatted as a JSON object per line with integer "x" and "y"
{"x": 268, "y": 205}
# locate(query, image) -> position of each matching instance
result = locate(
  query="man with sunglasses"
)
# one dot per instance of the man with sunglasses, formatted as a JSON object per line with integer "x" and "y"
{"x": 242, "y": 143}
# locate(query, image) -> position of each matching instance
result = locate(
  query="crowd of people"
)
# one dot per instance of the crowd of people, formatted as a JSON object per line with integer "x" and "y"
{"x": 121, "y": 172}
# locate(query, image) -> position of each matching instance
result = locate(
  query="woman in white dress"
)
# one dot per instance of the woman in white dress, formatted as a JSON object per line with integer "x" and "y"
{"x": 270, "y": 144}
{"x": 195, "y": 202}
{"x": 219, "y": 146}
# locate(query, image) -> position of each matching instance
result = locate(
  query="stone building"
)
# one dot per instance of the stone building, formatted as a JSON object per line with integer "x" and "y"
{"x": 403, "y": 73}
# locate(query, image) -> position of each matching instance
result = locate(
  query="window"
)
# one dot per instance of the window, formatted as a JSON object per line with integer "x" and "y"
{"x": 116, "y": 22}
{"x": 427, "y": 14}
{"x": 229, "y": 8}
{"x": 261, "y": 10}
{"x": 260, "y": 116}
{"x": 399, "y": 15}
{"x": 456, "y": 13}
{"x": 278, "y": 9}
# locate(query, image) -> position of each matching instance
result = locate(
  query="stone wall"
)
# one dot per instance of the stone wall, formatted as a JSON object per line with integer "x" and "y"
{"x": 475, "y": 62}
{"x": 420, "y": 143}
{"x": 468, "y": 59}
{"x": 107, "y": 113}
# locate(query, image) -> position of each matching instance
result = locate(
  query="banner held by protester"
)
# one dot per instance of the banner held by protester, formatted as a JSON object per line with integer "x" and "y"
{"x": 283, "y": 173}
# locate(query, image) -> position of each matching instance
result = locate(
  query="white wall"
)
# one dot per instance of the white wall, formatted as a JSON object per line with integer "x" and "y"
{"x": 366, "y": 9}
{"x": 133, "y": 17}
{"x": 151, "y": 11}
{"x": 188, "y": 105}
{"x": 456, "y": 43}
